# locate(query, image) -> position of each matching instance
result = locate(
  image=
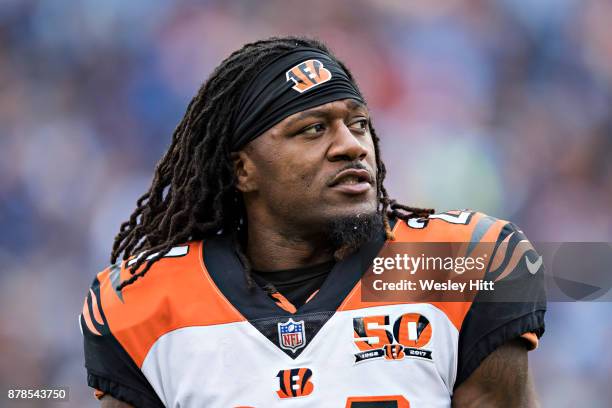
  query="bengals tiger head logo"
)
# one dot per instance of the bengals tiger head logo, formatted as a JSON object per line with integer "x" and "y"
{"x": 308, "y": 74}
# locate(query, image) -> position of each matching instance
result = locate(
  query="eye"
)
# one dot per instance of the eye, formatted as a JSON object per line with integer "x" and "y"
{"x": 360, "y": 125}
{"x": 313, "y": 129}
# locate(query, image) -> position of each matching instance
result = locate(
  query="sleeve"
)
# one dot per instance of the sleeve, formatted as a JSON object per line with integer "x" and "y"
{"x": 110, "y": 369}
{"x": 514, "y": 309}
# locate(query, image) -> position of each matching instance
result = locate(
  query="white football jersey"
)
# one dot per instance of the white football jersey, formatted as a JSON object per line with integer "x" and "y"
{"x": 191, "y": 333}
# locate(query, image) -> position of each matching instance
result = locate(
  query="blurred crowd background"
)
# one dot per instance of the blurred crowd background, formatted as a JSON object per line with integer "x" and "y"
{"x": 500, "y": 105}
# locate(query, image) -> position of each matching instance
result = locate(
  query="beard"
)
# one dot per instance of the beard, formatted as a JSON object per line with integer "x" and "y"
{"x": 347, "y": 234}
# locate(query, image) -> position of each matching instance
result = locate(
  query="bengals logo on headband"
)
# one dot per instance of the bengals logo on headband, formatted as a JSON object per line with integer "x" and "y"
{"x": 308, "y": 74}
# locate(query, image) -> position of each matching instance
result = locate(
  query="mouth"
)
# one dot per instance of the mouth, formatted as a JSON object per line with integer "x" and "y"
{"x": 352, "y": 181}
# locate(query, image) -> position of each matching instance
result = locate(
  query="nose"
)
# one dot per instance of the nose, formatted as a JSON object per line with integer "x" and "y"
{"x": 346, "y": 146}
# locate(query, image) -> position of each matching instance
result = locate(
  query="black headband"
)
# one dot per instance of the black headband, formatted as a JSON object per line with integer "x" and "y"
{"x": 295, "y": 81}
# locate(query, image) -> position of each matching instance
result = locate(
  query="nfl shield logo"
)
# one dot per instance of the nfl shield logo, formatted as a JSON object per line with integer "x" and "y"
{"x": 292, "y": 335}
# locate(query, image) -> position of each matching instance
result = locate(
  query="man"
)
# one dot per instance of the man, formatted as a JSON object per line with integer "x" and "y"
{"x": 239, "y": 284}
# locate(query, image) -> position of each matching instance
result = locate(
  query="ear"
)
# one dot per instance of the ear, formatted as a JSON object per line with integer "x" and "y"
{"x": 245, "y": 171}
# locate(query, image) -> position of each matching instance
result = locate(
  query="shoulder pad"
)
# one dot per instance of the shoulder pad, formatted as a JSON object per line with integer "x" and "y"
{"x": 171, "y": 295}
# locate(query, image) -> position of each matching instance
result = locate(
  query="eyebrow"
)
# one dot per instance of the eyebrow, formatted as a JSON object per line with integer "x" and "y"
{"x": 353, "y": 104}
{"x": 318, "y": 113}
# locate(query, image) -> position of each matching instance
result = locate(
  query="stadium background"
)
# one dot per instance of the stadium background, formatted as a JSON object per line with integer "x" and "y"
{"x": 502, "y": 106}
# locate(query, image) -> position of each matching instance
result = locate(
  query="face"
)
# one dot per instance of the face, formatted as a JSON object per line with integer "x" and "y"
{"x": 311, "y": 168}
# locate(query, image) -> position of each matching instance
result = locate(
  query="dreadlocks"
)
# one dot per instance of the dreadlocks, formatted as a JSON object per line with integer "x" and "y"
{"x": 192, "y": 195}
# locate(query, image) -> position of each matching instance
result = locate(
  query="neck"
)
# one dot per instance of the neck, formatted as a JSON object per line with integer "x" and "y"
{"x": 271, "y": 249}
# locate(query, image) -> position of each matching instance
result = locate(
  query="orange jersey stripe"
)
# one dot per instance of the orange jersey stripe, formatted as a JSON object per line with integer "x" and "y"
{"x": 96, "y": 308}
{"x": 284, "y": 303}
{"x": 173, "y": 296}
{"x": 87, "y": 319}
